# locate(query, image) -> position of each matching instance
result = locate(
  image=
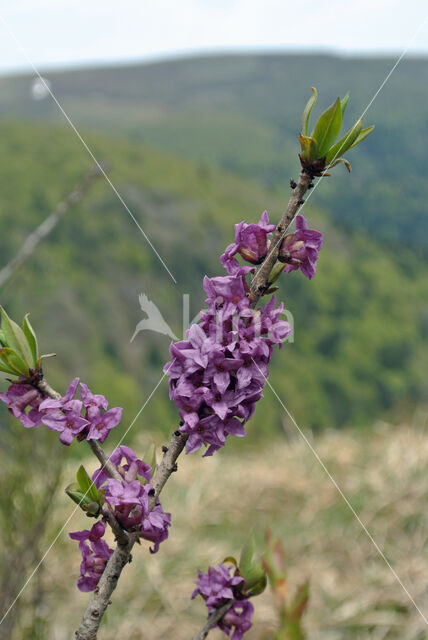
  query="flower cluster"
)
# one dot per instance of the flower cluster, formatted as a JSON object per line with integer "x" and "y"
{"x": 129, "y": 499}
{"x": 219, "y": 586}
{"x": 218, "y": 373}
{"x": 21, "y": 396}
{"x": 86, "y": 418}
{"x": 300, "y": 250}
{"x": 95, "y": 554}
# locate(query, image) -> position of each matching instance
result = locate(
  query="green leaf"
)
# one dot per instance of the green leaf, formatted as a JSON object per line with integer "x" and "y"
{"x": 344, "y": 103}
{"x": 307, "y": 111}
{"x": 328, "y": 128}
{"x": 73, "y": 491}
{"x": 363, "y": 135}
{"x": 247, "y": 554}
{"x": 93, "y": 508}
{"x": 15, "y": 338}
{"x": 6, "y": 369}
{"x": 31, "y": 339}
{"x": 86, "y": 485}
{"x": 276, "y": 272}
{"x": 344, "y": 143}
{"x": 255, "y": 586}
{"x": 2, "y": 339}
{"x": 340, "y": 161}
{"x": 309, "y": 149}
{"x": 150, "y": 459}
{"x": 12, "y": 360}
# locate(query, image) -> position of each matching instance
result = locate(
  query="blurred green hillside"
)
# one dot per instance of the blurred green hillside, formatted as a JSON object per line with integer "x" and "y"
{"x": 360, "y": 325}
{"x": 242, "y": 113}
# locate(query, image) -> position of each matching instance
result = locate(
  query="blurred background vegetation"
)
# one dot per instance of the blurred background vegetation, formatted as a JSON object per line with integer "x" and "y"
{"x": 194, "y": 146}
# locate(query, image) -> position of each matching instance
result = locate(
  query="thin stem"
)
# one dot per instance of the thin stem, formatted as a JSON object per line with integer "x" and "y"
{"x": 92, "y": 617}
{"x": 213, "y": 619}
{"x": 100, "y": 599}
{"x": 260, "y": 282}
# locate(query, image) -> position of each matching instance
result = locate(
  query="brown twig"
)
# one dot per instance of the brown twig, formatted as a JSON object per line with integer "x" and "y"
{"x": 168, "y": 464}
{"x": 214, "y": 617}
{"x": 260, "y": 282}
{"x": 92, "y": 617}
{"x": 44, "y": 229}
{"x": 91, "y": 620}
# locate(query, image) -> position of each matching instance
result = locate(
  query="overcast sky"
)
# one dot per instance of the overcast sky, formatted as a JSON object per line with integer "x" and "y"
{"x": 66, "y": 32}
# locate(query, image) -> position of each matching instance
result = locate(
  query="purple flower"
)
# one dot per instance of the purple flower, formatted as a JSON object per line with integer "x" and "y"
{"x": 65, "y": 415}
{"x": 239, "y": 616}
{"x": 93, "y": 403}
{"x": 118, "y": 493}
{"x": 300, "y": 250}
{"x": 95, "y": 554}
{"x": 67, "y": 421}
{"x": 250, "y": 241}
{"x": 217, "y": 586}
{"x": 130, "y": 500}
{"x": 20, "y": 397}
{"x": 129, "y": 471}
{"x": 217, "y": 374}
{"x": 103, "y": 423}
{"x": 50, "y": 403}
{"x": 154, "y": 526}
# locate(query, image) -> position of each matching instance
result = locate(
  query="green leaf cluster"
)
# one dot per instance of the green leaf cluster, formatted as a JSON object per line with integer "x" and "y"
{"x": 320, "y": 150}
{"x": 18, "y": 347}
{"x": 19, "y": 352}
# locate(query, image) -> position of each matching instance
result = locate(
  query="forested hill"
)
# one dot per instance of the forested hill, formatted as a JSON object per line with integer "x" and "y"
{"x": 242, "y": 112}
{"x": 360, "y": 325}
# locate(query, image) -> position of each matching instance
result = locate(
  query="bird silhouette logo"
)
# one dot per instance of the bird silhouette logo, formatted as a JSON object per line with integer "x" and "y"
{"x": 154, "y": 321}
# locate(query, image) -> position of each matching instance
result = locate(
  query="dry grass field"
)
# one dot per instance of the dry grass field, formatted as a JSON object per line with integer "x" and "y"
{"x": 215, "y": 502}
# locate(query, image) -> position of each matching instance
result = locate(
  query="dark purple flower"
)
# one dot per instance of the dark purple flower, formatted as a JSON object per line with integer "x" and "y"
{"x": 20, "y": 397}
{"x": 95, "y": 554}
{"x": 238, "y": 617}
{"x": 300, "y": 250}
{"x": 217, "y": 586}
{"x": 250, "y": 241}
{"x": 130, "y": 500}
